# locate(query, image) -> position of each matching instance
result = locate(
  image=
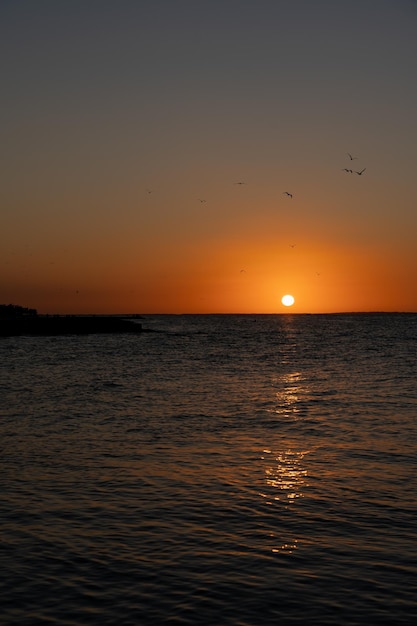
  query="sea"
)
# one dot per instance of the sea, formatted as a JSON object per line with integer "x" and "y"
{"x": 221, "y": 470}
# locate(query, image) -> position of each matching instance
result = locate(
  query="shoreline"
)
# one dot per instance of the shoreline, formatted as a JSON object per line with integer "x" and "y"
{"x": 45, "y": 325}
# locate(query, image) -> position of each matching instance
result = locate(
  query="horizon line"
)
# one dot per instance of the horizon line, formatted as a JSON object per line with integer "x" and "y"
{"x": 371, "y": 312}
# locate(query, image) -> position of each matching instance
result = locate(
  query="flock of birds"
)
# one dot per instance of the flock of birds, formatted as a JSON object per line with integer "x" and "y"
{"x": 290, "y": 195}
{"x": 344, "y": 169}
{"x": 350, "y": 171}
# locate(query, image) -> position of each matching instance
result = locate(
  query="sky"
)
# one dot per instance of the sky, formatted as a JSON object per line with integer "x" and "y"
{"x": 126, "y": 125}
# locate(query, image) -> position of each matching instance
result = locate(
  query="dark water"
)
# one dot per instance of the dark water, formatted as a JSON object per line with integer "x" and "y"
{"x": 227, "y": 470}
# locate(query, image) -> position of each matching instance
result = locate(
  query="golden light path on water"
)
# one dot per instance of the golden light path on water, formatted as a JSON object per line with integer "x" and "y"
{"x": 285, "y": 472}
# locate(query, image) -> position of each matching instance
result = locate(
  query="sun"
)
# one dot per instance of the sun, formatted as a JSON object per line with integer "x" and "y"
{"x": 287, "y": 300}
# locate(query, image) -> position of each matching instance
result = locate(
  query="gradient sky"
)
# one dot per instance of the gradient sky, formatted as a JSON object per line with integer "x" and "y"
{"x": 118, "y": 117}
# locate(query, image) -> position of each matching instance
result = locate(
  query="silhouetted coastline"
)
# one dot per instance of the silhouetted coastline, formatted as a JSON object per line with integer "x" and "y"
{"x": 22, "y": 321}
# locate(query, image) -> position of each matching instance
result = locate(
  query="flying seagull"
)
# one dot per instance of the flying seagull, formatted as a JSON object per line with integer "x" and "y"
{"x": 240, "y": 183}
{"x": 352, "y": 158}
{"x": 292, "y": 245}
{"x": 287, "y": 193}
{"x": 361, "y": 172}
{"x": 202, "y": 200}
{"x": 346, "y": 170}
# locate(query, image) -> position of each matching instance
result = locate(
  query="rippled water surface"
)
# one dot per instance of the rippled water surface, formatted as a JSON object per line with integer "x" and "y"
{"x": 225, "y": 470}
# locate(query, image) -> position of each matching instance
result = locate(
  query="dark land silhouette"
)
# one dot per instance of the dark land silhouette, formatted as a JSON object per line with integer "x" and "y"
{"x": 17, "y": 320}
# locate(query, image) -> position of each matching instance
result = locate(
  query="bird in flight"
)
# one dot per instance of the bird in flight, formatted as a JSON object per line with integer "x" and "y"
{"x": 202, "y": 200}
{"x": 292, "y": 245}
{"x": 361, "y": 172}
{"x": 287, "y": 193}
{"x": 352, "y": 158}
{"x": 345, "y": 169}
{"x": 240, "y": 183}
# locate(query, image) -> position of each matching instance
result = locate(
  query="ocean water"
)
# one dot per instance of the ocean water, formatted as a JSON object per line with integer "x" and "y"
{"x": 223, "y": 470}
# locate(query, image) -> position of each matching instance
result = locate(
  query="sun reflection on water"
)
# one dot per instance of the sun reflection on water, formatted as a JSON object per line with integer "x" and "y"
{"x": 289, "y": 395}
{"x": 285, "y": 480}
{"x": 286, "y": 474}
{"x": 286, "y": 548}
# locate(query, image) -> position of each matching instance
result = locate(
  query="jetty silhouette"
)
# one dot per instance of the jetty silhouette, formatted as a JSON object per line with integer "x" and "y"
{"x": 17, "y": 320}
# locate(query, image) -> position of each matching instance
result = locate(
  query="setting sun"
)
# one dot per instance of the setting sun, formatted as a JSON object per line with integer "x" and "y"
{"x": 287, "y": 300}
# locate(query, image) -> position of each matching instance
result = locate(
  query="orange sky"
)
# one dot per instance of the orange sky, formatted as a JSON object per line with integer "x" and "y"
{"x": 104, "y": 105}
